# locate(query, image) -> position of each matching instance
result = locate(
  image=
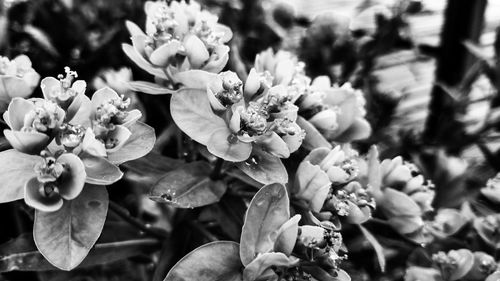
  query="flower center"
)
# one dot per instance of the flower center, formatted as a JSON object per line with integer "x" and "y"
{"x": 43, "y": 118}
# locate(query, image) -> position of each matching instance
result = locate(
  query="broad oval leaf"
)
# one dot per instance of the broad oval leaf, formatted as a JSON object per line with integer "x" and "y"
{"x": 16, "y": 169}
{"x": 193, "y": 114}
{"x": 116, "y": 242}
{"x": 216, "y": 261}
{"x": 264, "y": 167}
{"x": 66, "y": 236}
{"x": 140, "y": 143}
{"x": 189, "y": 186}
{"x": 99, "y": 170}
{"x": 268, "y": 211}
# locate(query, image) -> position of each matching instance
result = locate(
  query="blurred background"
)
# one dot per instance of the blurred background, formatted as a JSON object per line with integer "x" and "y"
{"x": 429, "y": 69}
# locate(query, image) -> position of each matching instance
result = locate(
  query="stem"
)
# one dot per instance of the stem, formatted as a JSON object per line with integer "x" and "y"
{"x": 216, "y": 172}
{"x": 121, "y": 212}
{"x": 196, "y": 225}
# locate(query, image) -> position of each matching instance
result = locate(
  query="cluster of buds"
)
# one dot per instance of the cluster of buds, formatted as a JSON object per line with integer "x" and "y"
{"x": 18, "y": 79}
{"x": 179, "y": 37}
{"x": 327, "y": 182}
{"x": 67, "y": 129}
{"x": 337, "y": 113}
{"x": 402, "y": 194}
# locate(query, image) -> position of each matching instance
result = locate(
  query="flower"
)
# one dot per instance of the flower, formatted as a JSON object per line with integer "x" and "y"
{"x": 455, "y": 264}
{"x": 18, "y": 79}
{"x": 492, "y": 189}
{"x": 179, "y": 37}
{"x": 33, "y": 123}
{"x": 57, "y": 178}
{"x": 325, "y": 180}
{"x": 401, "y": 193}
{"x": 109, "y": 121}
{"x": 338, "y": 113}
{"x": 67, "y": 94}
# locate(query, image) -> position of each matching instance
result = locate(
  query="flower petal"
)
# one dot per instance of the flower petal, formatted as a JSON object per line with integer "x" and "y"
{"x": 17, "y": 109}
{"x": 219, "y": 145}
{"x": 92, "y": 146}
{"x": 47, "y": 85}
{"x": 196, "y": 51}
{"x": 121, "y": 134}
{"x": 34, "y": 198}
{"x": 274, "y": 145}
{"x": 73, "y": 178}
{"x": 163, "y": 54}
{"x": 27, "y": 142}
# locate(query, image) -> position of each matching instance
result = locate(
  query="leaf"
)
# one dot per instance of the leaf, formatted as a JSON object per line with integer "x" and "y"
{"x": 117, "y": 242}
{"x": 66, "y": 236}
{"x": 149, "y": 169}
{"x": 264, "y": 168}
{"x": 191, "y": 111}
{"x": 379, "y": 251}
{"x": 140, "y": 143}
{"x": 16, "y": 169}
{"x": 189, "y": 186}
{"x": 313, "y": 138}
{"x": 268, "y": 210}
{"x": 216, "y": 261}
{"x": 99, "y": 170}
{"x": 220, "y": 146}
{"x": 149, "y": 88}
{"x": 322, "y": 275}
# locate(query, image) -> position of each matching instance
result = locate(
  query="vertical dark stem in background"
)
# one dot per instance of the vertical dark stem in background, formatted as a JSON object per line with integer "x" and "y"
{"x": 463, "y": 21}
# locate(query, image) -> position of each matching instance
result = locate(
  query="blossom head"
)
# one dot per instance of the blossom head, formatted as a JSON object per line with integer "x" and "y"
{"x": 57, "y": 178}
{"x": 33, "y": 123}
{"x": 64, "y": 89}
{"x": 109, "y": 120}
{"x": 179, "y": 37}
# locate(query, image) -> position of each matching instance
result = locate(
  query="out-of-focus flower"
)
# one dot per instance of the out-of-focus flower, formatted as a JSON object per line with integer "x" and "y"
{"x": 325, "y": 180}
{"x": 488, "y": 228}
{"x": 484, "y": 265}
{"x": 109, "y": 120}
{"x": 33, "y": 123}
{"x": 115, "y": 79}
{"x": 455, "y": 264}
{"x": 18, "y": 79}
{"x": 417, "y": 273}
{"x": 492, "y": 189}
{"x": 56, "y": 179}
{"x": 337, "y": 112}
{"x": 446, "y": 223}
{"x": 401, "y": 193}
{"x": 179, "y": 37}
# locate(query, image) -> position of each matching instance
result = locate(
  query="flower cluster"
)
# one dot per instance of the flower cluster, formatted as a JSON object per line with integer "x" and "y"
{"x": 459, "y": 264}
{"x": 327, "y": 181}
{"x": 74, "y": 140}
{"x": 18, "y": 79}
{"x": 179, "y": 36}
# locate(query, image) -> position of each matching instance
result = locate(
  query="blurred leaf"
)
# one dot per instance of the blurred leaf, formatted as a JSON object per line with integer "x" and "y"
{"x": 41, "y": 39}
{"x": 65, "y": 237}
{"x": 268, "y": 211}
{"x": 149, "y": 88}
{"x": 117, "y": 242}
{"x": 376, "y": 246}
{"x": 264, "y": 168}
{"x": 99, "y": 170}
{"x": 17, "y": 169}
{"x": 313, "y": 138}
{"x": 216, "y": 261}
{"x": 189, "y": 186}
{"x": 193, "y": 114}
{"x": 139, "y": 144}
